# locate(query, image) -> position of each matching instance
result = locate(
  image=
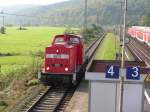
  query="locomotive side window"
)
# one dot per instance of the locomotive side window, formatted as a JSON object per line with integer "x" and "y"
{"x": 74, "y": 40}
{"x": 59, "y": 40}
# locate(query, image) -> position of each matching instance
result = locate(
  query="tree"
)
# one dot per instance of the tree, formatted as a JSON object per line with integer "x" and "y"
{"x": 3, "y": 30}
{"x": 92, "y": 32}
{"x": 146, "y": 20}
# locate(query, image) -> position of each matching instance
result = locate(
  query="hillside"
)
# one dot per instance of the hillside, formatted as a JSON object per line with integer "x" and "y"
{"x": 71, "y": 13}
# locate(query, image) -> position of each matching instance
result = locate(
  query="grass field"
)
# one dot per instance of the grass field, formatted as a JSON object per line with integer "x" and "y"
{"x": 109, "y": 47}
{"x": 20, "y": 53}
{"x": 21, "y": 44}
{"x": 25, "y": 41}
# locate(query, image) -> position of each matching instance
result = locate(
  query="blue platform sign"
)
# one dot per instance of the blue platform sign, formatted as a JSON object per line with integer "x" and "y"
{"x": 133, "y": 73}
{"x": 112, "y": 72}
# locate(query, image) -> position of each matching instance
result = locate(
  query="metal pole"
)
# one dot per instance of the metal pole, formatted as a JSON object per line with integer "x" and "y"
{"x": 120, "y": 22}
{"x": 98, "y": 13}
{"x": 124, "y": 35}
{"x": 123, "y": 57}
{"x": 3, "y": 23}
{"x": 97, "y": 18}
{"x": 85, "y": 15}
{"x": 3, "y": 20}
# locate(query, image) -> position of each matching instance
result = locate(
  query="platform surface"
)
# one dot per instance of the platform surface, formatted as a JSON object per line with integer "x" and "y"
{"x": 79, "y": 101}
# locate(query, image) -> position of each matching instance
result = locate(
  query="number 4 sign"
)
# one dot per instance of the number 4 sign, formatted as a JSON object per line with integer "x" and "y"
{"x": 112, "y": 72}
{"x": 133, "y": 73}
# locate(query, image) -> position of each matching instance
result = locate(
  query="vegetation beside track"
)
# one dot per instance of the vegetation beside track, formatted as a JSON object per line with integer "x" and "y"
{"x": 108, "y": 48}
{"x": 21, "y": 54}
{"x": 91, "y": 33}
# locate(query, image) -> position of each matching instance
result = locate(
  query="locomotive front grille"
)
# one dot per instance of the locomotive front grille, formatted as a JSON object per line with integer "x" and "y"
{"x": 58, "y": 56}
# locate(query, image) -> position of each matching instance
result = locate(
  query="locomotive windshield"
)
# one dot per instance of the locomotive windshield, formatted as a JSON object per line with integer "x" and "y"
{"x": 74, "y": 40}
{"x": 59, "y": 40}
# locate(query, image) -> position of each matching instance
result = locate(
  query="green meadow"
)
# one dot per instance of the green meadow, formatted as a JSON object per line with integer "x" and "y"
{"x": 21, "y": 56}
{"x": 109, "y": 47}
{"x": 18, "y": 47}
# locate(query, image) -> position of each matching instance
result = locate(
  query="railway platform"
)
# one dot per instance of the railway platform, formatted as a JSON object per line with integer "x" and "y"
{"x": 79, "y": 101}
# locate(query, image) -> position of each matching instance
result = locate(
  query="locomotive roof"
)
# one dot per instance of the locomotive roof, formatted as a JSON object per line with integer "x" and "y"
{"x": 79, "y": 36}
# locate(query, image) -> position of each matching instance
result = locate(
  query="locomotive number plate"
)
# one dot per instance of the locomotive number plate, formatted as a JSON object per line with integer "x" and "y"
{"x": 57, "y": 65}
{"x": 57, "y": 56}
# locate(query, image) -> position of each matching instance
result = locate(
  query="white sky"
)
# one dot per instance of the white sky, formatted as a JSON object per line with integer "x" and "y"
{"x": 24, "y": 2}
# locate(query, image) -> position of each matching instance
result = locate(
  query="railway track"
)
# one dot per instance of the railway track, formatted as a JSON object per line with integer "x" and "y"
{"x": 56, "y": 98}
{"x": 140, "y": 52}
{"x": 53, "y": 100}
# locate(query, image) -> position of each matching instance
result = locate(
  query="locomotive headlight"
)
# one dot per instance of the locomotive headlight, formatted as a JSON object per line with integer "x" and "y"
{"x": 66, "y": 69}
{"x": 47, "y": 68}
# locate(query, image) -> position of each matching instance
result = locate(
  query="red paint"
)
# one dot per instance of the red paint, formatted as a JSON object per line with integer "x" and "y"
{"x": 66, "y": 52}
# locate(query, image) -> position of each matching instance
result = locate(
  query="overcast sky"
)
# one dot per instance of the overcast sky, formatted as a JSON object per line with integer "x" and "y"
{"x": 32, "y": 2}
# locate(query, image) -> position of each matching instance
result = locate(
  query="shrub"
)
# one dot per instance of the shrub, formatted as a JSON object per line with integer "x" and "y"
{"x": 33, "y": 82}
{"x": 3, "y": 103}
{"x": 91, "y": 32}
{"x": 3, "y": 29}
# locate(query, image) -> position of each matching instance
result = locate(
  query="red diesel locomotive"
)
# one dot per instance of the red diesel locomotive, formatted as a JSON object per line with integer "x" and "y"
{"x": 63, "y": 59}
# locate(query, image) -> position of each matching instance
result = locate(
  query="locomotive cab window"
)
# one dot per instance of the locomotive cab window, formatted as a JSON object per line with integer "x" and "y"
{"x": 74, "y": 40}
{"x": 59, "y": 40}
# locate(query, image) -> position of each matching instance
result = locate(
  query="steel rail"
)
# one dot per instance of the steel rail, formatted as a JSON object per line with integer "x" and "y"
{"x": 140, "y": 54}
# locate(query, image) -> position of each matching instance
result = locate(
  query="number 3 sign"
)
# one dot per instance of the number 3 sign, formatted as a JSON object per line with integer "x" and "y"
{"x": 133, "y": 73}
